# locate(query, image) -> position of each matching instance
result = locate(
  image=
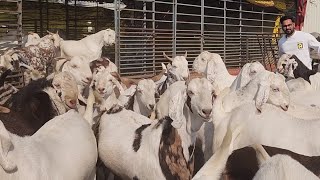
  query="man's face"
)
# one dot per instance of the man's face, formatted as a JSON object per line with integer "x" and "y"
{"x": 288, "y": 27}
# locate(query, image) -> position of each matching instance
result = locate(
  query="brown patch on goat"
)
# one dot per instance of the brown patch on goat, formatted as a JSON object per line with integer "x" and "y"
{"x": 129, "y": 82}
{"x": 189, "y": 103}
{"x": 194, "y": 74}
{"x": 138, "y": 136}
{"x": 103, "y": 61}
{"x": 237, "y": 169}
{"x": 158, "y": 76}
{"x": 172, "y": 161}
{"x": 116, "y": 92}
{"x": 129, "y": 104}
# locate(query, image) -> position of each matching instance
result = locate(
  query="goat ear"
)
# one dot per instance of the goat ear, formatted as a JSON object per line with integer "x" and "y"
{"x": 210, "y": 71}
{"x": 6, "y": 145}
{"x": 176, "y": 105}
{"x": 244, "y": 75}
{"x": 262, "y": 94}
{"x": 116, "y": 75}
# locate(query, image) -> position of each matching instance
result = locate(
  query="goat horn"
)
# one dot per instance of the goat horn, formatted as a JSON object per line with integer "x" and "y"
{"x": 185, "y": 54}
{"x": 49, "y": 32}
{"x": 164, "y": 54}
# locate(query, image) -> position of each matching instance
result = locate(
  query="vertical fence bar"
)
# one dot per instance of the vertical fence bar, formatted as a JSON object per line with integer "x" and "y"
{"x": 174, "y": 27}
{"x": 144, "y": 8}
{"x": 153, "y": 35}
{"x": 47, "y": 14}
{"x": 240, "y": 29}
{"x": 41, "y": 18}
{"x": 117, "y": 31}
{"x": 202, "y": 25}
{"x": 19, "y": 8}
{"x": 224, "y": 29}
{"x": 67, "y": 19}
{"x": 75, "y": 19}
{"x": 262, "y": 19}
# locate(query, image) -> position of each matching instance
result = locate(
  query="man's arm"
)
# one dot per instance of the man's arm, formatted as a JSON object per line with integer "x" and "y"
{"x": 313, "y": 43}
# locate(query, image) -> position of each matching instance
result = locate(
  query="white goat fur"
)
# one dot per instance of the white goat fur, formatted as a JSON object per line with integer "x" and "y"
{"x": 214, "y": 167}
{"x": 212, "y": 65}
{"x": 143, "y": 93}
{"x": 89, "y": 47}
{"x": 122, "y": 126}
{"x": 31, "y": 157}
{"x": 248, "y": 72}
{"x": 289, "y": 133}
{"x": 33, "y": 39}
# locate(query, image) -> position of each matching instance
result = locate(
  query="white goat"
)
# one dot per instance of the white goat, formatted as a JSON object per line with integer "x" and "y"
{"x": 89, "y": 47}
{"x": 214, "y": 68}
{"x": 248, "y": 72}
{"x": 287, "y": 132}
{"x": 79, "y": 68}
{"x": 143, "y": 92}
{"x": 32, "y": 39}
{"x": 166, "y": 142}
{"x": 214, "y": 167}
{"x": 280, "y": 167}
{"x": 176, "y": 71}
{"x": 70, "y": 138}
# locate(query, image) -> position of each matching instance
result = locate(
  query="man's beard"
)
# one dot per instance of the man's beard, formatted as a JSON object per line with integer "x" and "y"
{"x": 290, "y": 32}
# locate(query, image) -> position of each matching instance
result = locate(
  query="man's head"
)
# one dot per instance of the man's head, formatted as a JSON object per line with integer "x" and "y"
{"x": 288, "y": 24}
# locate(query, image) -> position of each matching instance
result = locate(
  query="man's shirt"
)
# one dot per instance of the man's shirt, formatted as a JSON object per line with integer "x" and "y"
{"x": 298, "y": 44}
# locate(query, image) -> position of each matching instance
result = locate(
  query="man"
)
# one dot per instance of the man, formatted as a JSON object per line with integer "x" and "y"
{"x": 297, "y": 42}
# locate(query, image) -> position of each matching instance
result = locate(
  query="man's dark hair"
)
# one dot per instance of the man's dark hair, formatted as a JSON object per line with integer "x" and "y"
{"x": 283, "y": 18}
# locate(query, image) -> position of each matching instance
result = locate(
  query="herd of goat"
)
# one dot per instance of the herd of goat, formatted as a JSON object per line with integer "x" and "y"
{"x": 76, "y": 118}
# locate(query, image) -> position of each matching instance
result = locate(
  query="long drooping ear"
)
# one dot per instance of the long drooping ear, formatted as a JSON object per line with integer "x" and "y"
{"x": 210, "y": 71}
{"x": 244, "y": 75}
{"x": 176, "y": 105}
{"x": 262, "y": 93}
{"x": 164, "y": 54}
{"x": 6, "y": 145}
{"x": 117, "y": 84}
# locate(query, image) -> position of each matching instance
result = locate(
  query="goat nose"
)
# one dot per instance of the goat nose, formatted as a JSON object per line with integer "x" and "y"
{"x": 284, "y": 66}
{"x": 207, "y": 112}
{"x": 101, "y": 89}
{"x": 151, "y": 106}
{"x": 72, "y": 103}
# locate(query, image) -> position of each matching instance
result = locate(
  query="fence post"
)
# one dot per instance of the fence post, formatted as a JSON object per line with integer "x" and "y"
{"x": 174, "y": 28}
{"x": 202, "y": 25}
{"x": 224, "y": 29}
{"x": 117, "y": 31}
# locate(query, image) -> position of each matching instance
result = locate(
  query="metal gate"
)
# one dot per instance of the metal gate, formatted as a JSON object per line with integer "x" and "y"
{"x": 237, "y": 30}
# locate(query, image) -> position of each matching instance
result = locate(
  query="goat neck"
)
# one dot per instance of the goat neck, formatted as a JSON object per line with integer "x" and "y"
{"x": 240, "y": 96}
{"x": 139, "y": 107}
{"x": 98, "y": 40}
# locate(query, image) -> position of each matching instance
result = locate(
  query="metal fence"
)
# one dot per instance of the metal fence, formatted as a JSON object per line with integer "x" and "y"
{"x": 238, "y": 31}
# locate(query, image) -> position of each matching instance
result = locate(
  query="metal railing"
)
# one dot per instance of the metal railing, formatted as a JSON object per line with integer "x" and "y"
{"x": 238, "y": 31}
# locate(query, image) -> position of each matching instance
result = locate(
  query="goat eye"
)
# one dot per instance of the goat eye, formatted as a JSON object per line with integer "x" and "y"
{"x": 74, "y": 66}
{"x": 190, "y": 93}
{"x": 276, "y": 89}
